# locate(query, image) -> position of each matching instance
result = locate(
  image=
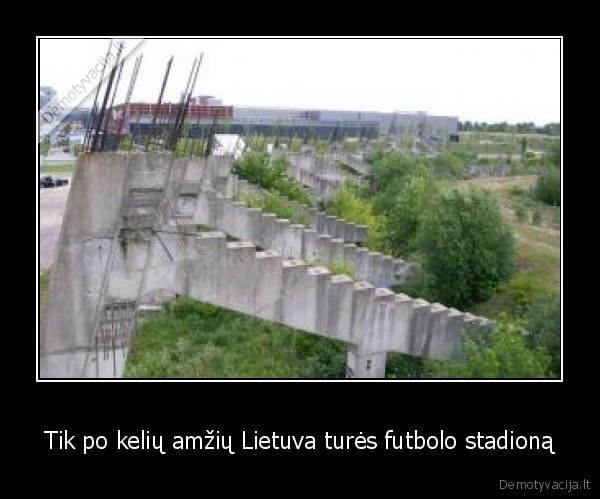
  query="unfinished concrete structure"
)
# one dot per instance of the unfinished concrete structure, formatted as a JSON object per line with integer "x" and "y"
{"x": 130, "y": 239}
{"x": 321, "y": 174}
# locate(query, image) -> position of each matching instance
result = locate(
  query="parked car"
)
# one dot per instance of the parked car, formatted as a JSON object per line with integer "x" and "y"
{"x": 47, "y": 181}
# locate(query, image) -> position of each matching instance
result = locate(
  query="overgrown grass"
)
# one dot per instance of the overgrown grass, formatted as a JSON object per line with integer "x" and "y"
{"x": 348, "y": 205}
{"x": 272, "y": 203}
{"x": 271, "y": 175}
{"x": 196, "y": 340}
{"x": 537, "y": 273}
{"x": 57, "y": 168}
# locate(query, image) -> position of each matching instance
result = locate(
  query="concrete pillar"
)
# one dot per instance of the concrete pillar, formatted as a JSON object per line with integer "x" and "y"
{"x": 313, "y": 216}
{"x": 323, "y": 248}
{"x": 361, "y": 264}
{"x": 360, "y": 233}
{"x": 361, "y": 364}
{"x": 339, "y": 309}
{"x": 336, "y": 253}
{"x": 294, "y": 241}
{"x": 309, "y": 245}
{"x": 330, "y": 223}
{"x": 349, "y": 232}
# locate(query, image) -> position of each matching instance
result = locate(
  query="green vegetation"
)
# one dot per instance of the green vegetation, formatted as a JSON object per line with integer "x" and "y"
{"x": 501, "y": 353}
{"x": 190, "y": 147}
{"x": 347, "y": 204}
{"x": 44, "y": 148}
{"x": 405, "y": 211}
{"x": 196, "y": 340}
{"x": 126, "y": 143}
{"x": 273, "y": 203}
{"x": 447, "y": 166}
{"x": 57, "y": 168}
{"x": 520, "y": 212}
{"x": 466, "y": 247}
{"x": 548, "y": 187}
{"x": 477, "y": 249}
{"x": 340, "y": 268}
{"x": 507, "y": 128}
{"x": 258, "y": 169}
{"x": 536, "y": 216}
{"x": 542, "y": 319}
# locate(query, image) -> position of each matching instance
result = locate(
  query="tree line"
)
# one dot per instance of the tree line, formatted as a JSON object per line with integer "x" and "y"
{"x": 504, "y": 127}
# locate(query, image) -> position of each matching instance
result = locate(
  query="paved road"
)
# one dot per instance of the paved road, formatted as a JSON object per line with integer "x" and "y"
{"x": 53, "y": 202}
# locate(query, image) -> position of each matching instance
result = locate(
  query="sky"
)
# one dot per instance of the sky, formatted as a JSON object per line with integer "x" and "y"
{"x": 492, "y": 80}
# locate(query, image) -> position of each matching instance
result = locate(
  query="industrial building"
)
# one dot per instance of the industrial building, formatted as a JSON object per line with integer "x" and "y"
{"x": 206, "y": 112}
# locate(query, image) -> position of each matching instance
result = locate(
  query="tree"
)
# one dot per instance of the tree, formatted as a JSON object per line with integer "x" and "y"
{"x": 402, "y": 222}
{"x": 543, "y": 323}
{"x": 523, "y": 146}
{"x": 547, "y": 188}
{"x": 553, "y": 153}
{"x": 446, "y": 165}
{"x": 466, "y": 247}
{"x": 500, "y": 353}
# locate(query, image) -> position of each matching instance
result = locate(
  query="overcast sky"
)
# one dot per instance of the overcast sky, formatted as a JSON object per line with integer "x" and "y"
{"x": 475, "y": 79}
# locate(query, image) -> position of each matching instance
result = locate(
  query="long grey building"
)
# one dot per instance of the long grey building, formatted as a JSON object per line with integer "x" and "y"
{"x": 323, "y": 123}
{"x": 140, "y": 119}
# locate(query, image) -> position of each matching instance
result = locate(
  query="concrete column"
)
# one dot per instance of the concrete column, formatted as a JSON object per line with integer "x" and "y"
{"x": 336, "y": 253}
{"x": 309, "y": 245}
{"x": 330, "y": 223}
{"x": 339, "y": 309}
{"x": 323, "y": 248}
{"x": 387, "y": 271}
{"x": 294, "y": 241}
{"x": 361, "y": 264}
{"x": 363, "y": 365}
{"x": 313, "y": 216}
{"x": 349, "y": 232}
{"x": 360, "y": 233}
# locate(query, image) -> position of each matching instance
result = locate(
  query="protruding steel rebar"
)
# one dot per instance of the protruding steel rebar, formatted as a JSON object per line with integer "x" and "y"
{"x": 159, "y": 103}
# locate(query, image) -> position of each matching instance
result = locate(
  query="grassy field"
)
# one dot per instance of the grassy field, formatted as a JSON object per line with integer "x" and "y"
{"x": 197, "y": 340}
{"x": 498, "y": 143}
{"x": 537, "y": 245}
{"x": 57, "y": 168}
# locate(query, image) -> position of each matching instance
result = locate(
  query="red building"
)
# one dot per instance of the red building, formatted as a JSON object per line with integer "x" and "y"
{"x": 121, "y": 117}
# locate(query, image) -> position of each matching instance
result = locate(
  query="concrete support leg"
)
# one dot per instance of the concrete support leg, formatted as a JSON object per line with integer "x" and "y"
{"x": 361, "y": 364}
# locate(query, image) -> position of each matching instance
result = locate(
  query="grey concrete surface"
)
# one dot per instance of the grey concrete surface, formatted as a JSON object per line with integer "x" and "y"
{"x": 53, "y": 202}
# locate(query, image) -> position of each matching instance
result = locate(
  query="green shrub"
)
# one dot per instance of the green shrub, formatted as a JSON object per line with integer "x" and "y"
{"x": 520, "y": 212}
{"x": 273, "y": 203}
{"x": 404, "y": 366}
{"x": 447, "y": 166}
{"x": 258, "y": 169}
{"x": 543, "y": 323}
{"x": 517, "y": 191}
{"x": 347, "y": 204}
{"x": 402, "y": 223}
{"x": 548, "y": 186}
{"x": 500, "y": 353}
{"x": 536, "y": 217}
{"x": 340, "y": 268}
{"x": 556, "y": 215}
{"x": 466, "y": 246}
